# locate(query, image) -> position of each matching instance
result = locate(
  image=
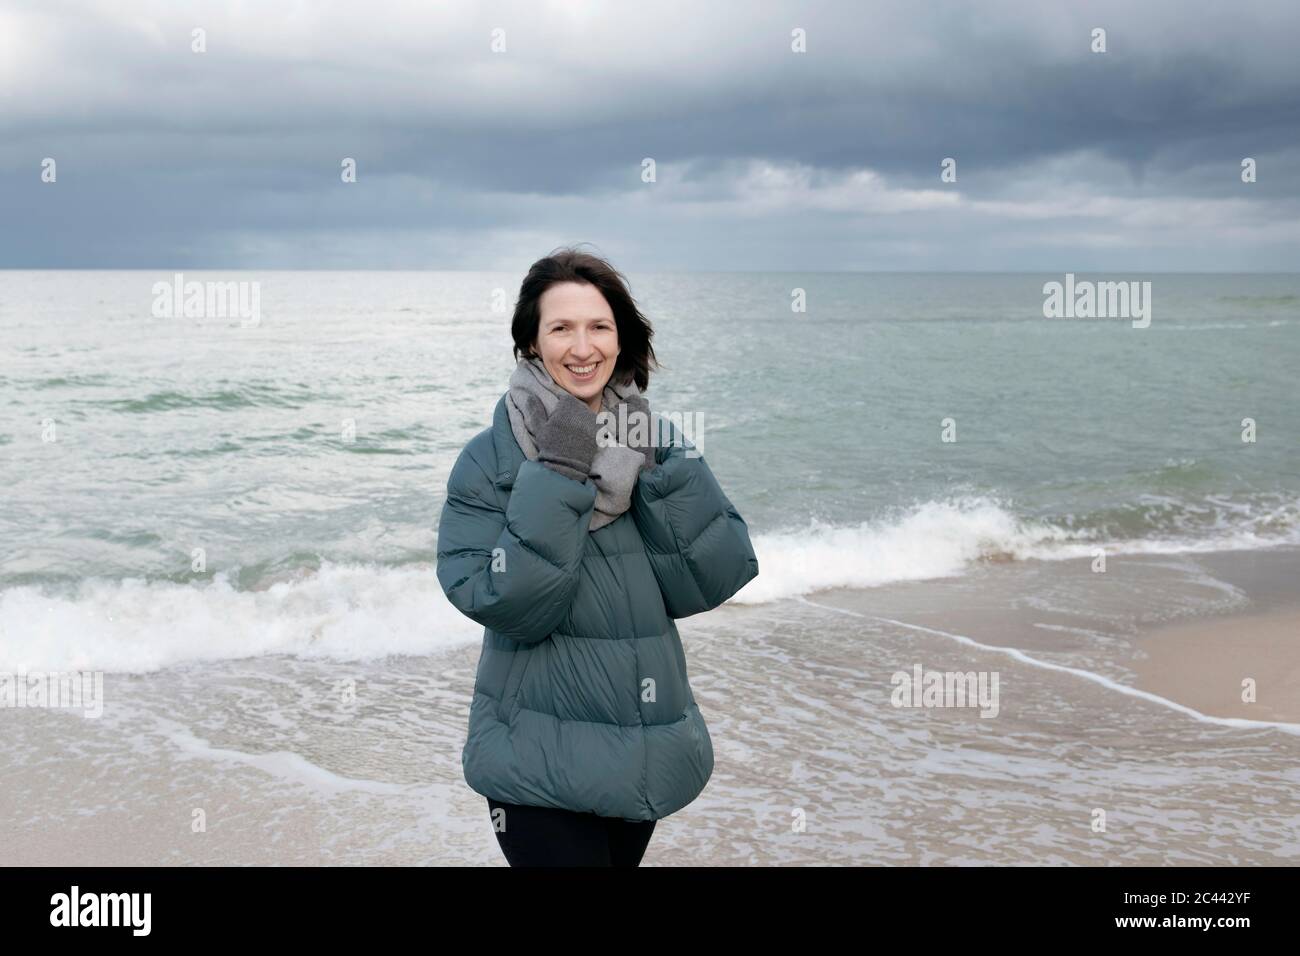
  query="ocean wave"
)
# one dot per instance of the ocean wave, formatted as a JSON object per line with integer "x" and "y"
{"x": 340, "y": 612}
{"x": 932, "y": 540}
{"x": 228, "y": 399}
{"x": 100, "y": 380}
{"x": 1217, "y": 326}
{"x": 361, "y": 611}
{"x": 1260, "y": 301}
{"x": 939, "y": 539}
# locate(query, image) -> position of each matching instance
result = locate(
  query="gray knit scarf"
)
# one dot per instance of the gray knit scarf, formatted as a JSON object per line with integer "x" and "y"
{"x": 614, "y": 469}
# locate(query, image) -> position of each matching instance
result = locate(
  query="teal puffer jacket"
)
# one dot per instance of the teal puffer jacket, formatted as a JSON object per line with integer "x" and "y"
{"x": 581, "y": 699}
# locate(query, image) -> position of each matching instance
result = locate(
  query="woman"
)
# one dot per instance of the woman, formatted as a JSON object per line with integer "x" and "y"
{"x": 575, "y": 539}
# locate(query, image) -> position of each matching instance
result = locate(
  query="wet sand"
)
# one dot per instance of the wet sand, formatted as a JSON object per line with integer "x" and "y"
{"x": 814, "y": 762}
{"x": 1205, "y": 664}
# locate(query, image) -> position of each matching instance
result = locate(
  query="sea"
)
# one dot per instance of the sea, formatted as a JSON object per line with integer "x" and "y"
{"x": 234, "y": 515}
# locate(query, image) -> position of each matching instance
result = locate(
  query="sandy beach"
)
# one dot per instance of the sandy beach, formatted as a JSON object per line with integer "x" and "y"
{"x": 1095, "y": 678}
{"x": 1204, "y": 664}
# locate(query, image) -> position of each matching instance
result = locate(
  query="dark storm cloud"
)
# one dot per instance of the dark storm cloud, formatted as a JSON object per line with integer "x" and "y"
{"x": 1066, "y": 158}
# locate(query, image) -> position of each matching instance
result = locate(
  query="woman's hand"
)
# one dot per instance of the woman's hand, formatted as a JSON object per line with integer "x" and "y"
{"x": 638, "y": 404}
{"x": 566, "y": 439}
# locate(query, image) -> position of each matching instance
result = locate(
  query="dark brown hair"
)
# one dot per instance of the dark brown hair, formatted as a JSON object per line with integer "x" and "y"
{"x": 636, "y": 355}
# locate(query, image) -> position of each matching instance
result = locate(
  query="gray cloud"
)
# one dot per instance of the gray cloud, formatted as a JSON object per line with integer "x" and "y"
{"x": 766, "y": 159}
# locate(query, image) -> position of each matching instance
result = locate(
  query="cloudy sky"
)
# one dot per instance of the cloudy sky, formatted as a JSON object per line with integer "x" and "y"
{"x": 766, "y": 159}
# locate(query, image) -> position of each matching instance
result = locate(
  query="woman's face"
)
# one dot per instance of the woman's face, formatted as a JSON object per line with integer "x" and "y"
{"x": 577, "y": 339}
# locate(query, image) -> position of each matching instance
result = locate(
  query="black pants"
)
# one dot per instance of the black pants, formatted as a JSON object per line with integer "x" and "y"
{"x": 548, "y": 836}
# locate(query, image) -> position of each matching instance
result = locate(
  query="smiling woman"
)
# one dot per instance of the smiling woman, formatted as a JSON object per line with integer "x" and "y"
{"x": 574, "y": 312}
{"x": 578, "y": 339}
{"x": 576, "y": 556}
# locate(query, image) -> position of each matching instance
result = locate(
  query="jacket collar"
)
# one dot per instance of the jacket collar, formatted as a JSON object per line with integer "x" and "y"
{"x": 509, "y": 455}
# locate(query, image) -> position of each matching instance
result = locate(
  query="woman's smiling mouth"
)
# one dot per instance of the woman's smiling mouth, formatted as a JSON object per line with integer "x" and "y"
{"x": 583, "y": 373}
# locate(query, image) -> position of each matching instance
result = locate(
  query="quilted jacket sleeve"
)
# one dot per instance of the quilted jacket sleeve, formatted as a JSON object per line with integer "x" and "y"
{"x": 514, "y": 570}
{"x": 698, "y": 543}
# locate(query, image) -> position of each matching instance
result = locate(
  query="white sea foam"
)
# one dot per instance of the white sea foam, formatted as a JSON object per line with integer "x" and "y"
{"x": 941, "y": 539}
{"x": 365, "y": 611}
{"x": 341, "y": 612}
{"x": 1022, "y": 657}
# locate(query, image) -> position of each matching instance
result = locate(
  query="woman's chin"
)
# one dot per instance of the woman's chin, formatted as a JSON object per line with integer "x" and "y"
{"x": 586, "y": 391}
